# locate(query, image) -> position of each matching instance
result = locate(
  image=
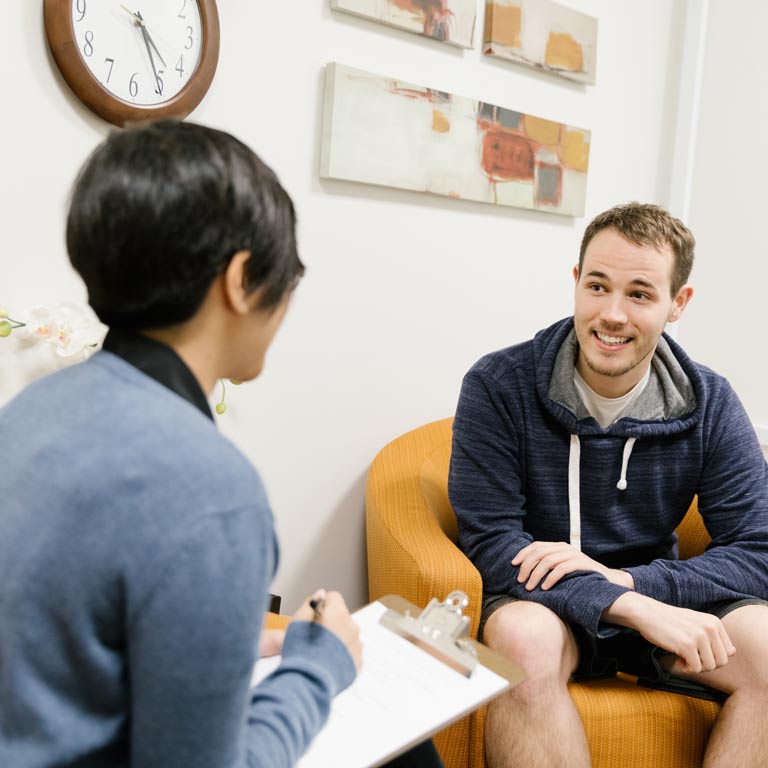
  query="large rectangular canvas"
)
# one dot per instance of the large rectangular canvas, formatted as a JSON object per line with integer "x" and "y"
{"x": 543, "y": 34}
{"x": 379, "y": 130}
{"x": 450, "y": 21}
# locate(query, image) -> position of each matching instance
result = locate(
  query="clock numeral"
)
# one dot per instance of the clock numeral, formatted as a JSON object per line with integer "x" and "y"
{"x": 181, "y": 14}
{"x": 180, "y": 66}
{"x": 160, "y": 84}
{"x": 111, "y": 63}
{"x": 133, "y": 86}
{"x": 80, "y": 8}
{"x": 88, "y": 47}
{"x": 190, "y": 40}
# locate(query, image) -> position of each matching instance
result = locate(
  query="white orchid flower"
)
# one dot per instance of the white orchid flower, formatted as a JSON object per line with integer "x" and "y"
{"x": 71, "y": 329}
{"x": 78, "y": 330}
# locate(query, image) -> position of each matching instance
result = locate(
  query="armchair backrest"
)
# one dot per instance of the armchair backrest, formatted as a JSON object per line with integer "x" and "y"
{"x": 433, "y": 479}
{"x": 692, "y": 535}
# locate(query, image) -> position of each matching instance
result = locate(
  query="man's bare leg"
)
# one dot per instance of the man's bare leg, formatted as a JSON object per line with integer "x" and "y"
{"x": 740, "y": 736}
{"x": 535, "y": 724}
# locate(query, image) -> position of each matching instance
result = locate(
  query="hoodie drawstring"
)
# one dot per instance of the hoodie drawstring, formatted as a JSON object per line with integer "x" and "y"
{"x": 628, "y": 446}
{"x": 574, "y": 489}
{"x": 574, "y": 484}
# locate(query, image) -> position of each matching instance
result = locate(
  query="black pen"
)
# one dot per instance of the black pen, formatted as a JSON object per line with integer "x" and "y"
{"x": 317, "y": 605}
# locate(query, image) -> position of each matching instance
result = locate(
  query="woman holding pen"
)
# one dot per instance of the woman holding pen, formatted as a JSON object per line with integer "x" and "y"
{"x": 136, "y": 543}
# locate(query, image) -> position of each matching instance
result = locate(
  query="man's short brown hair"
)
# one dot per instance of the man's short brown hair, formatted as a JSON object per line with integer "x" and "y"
{"x": 646, "y": 224}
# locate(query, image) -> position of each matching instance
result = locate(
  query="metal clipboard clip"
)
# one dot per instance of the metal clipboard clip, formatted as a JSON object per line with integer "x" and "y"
{"x": 440, "y": 629}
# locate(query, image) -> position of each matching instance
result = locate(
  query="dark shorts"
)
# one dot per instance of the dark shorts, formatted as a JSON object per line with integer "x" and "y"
{"x": 627, "y": 651}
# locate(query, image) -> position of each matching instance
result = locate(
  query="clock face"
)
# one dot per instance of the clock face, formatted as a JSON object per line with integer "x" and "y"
{"x": 142, "y": 51}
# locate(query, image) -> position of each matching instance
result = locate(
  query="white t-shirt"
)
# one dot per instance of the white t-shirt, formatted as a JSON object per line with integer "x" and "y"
{"x": 606, "y": 410}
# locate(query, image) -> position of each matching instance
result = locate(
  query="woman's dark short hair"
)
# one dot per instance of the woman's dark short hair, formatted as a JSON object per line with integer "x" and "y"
{"x": 156, "y": 214}
{"x": 647, "y": 224}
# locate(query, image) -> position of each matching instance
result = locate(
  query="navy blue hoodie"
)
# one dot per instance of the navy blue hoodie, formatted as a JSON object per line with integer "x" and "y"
{"x": 530, "y": 464}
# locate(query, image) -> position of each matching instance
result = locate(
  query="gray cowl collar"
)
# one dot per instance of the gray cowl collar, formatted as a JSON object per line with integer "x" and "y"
{"x": 668, "y": 395}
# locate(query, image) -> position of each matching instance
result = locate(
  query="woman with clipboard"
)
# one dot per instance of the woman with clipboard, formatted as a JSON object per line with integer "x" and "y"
{"x": 136, "y": 543}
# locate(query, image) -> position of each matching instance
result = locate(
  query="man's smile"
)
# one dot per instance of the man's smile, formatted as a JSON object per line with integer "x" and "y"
{"x": 611, "y": 341}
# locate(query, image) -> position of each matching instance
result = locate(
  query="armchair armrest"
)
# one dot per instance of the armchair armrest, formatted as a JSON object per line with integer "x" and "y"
{"x": 411, "y": 551}
{"x": 276, "y": 621}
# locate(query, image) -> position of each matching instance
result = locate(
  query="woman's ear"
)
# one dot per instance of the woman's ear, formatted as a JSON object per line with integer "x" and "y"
{"x": 238, "y": 298}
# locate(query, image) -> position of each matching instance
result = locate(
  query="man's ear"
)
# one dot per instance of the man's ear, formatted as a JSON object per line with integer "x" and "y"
{"x": 576, "y": 274}
{"x": 238, "y": 298}
{"x": 680, "y": 302}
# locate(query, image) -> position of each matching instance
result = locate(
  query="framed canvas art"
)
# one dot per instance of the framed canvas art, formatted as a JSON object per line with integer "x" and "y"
{"x": 378, "y": 130}
{"x": 450, "y": 21}
{"x": 542, "y": 34}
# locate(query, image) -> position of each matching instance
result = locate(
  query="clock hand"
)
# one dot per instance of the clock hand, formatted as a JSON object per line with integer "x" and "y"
{"x": 148, "y": 37}
{"x": 138, "y": 20}
{"x": 152, "y": 43}
{"x": 159, "y": 82}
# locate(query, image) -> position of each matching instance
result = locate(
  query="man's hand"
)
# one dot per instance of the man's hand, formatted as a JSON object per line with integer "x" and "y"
{"x": 551, "y": 560}
{"x": 699, "y": 640}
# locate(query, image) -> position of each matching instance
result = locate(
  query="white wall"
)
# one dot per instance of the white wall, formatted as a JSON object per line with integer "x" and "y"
{"x": 725, "y": 325}
{"x": 403, "y": 291}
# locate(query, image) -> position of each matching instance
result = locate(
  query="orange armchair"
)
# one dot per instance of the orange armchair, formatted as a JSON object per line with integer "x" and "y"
{"x": 412, "y": 551}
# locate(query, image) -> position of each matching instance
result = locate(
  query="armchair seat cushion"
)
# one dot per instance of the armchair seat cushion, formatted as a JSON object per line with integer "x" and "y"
{"x": 628, "y": 725}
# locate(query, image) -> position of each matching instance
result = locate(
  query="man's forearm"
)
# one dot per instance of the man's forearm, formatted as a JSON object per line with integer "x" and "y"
{"x": 699, "y": 640}
{"x": 628, "y": 610}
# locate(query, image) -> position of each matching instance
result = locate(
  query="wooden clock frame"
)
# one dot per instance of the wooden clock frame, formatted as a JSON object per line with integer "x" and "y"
{"x": 60, "y": 33}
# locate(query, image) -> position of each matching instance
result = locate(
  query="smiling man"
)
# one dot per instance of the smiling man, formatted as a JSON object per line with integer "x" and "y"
{"x": 575, "y": 456}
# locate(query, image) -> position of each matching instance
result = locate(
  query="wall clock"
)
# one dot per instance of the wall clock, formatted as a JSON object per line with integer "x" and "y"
{"x": 135, "y": 60}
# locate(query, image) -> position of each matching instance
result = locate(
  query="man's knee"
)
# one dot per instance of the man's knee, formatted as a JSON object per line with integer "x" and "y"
{"x": 534, "y": 637}
{"x": 746, "y": 671}
{"x": 747, "y": 627}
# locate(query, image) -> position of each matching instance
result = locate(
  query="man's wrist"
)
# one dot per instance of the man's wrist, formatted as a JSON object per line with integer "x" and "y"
{"x": 622, "y": 578}
{"x": 627, "y": 610}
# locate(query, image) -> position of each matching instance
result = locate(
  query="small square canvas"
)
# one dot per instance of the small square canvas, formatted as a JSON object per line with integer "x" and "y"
{"x": 450, "y": 21}
{"x": 544, "y": 35}
{"x": 378, "y": 130}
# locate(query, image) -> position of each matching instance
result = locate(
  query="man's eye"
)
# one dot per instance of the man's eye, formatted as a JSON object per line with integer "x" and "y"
{"x": 595, "y": 288}
{"x": 639, "y": 295}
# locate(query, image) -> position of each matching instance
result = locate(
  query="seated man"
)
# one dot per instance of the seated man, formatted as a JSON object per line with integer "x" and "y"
{"x": 575, "y": 456}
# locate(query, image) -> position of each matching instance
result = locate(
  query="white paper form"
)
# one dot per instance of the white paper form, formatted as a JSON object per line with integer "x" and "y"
{"x": 401, "y": 696}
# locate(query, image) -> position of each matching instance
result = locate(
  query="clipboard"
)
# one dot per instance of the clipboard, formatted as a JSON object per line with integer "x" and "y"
{"x": 442, "y": 630}
{"x": 410, "y": 687}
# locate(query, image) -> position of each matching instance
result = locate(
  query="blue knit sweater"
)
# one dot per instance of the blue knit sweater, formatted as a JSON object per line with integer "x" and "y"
{"x": 136, "y": 552}
{"x": 513, "y": 439}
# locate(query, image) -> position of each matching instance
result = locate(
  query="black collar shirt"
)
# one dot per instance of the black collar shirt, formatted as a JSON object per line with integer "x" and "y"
{"x": 159, "y": 362}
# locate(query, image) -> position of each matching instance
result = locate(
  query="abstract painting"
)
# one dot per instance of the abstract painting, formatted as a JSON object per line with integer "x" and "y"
{"x": 378, "y": 130}
{"x": 450, "y": 21}
{"x": 544, "y": 35}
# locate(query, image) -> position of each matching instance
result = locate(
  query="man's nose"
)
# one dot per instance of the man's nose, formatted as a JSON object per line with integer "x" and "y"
{"x": 613, "y": 311}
